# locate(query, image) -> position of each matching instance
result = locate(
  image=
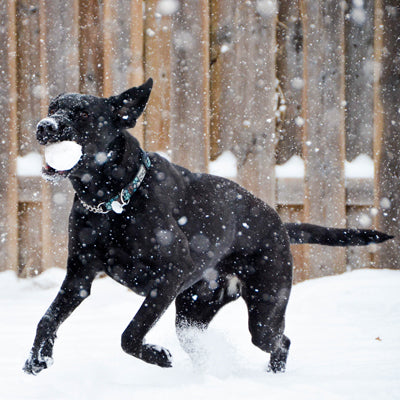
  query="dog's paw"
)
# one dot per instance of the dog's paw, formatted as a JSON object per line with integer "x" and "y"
{"x": 276, "y": 367}
{"x": 40, "y": 357}
{"x": 34, "y": 365}
{"x": 156, "y": 355}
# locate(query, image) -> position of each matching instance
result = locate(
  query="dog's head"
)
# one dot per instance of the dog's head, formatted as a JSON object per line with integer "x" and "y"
{"x": 92, "y": 123}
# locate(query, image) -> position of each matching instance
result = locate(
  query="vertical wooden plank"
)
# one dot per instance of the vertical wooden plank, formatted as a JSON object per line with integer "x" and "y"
{"x": 117, "y": 48}
{"x": 324, "y": 127}
{"x": 29, "y": 85}
{"x": 136, "y": 69}
{"x": 8, "y": 148}
{"x": 59, "y": 73}
{"x": 123, "y": 49}
{"x": 110, "y": 48}
{"x": 62, "y": 45}
{"x": 359, "y": 37}
{"x": 30, "y": 93}
{"x": 359, "y": 257}
{"x": 190, "y": 85}
{"x": 387, "y": 123}
{"x": 91, "y": 47}
{"x": 136, "y": 76}
{"x": 223, "y": 72}
{"x": 256, "y": 86}
{"x": 157, "y": 30}
{"x": 289, "y": 63}
{"x": 295, "y": 214}
{"x": 245, "y": 99}
{"x": 30, "y": 240}
{"x": 46, "y": 242}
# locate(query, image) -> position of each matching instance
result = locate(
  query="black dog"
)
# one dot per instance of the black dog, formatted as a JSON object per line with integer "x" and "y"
{"x": 167, "y": 234}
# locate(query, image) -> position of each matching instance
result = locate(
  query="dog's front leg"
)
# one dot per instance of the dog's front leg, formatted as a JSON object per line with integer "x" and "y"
{"x": 156, "y": 302}
{"x": 73, "y": 291}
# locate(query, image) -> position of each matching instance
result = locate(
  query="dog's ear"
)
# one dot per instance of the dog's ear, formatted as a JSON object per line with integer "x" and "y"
{"x": 129, "y": 105}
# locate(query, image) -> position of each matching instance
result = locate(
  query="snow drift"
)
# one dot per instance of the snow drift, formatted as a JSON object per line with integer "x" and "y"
{"x": 345, "y": 333}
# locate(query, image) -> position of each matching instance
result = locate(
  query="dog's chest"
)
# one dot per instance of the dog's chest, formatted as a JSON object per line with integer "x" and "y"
{"x": 120, "y": 246}
{"x": 136, "y": 275}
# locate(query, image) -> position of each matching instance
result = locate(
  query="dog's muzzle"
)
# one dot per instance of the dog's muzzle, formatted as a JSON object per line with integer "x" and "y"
{"x": 51, "y": 132}
{"x": 46, "y": 130}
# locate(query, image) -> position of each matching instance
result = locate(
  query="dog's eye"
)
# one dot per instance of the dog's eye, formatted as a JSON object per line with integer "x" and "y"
{"x": 52, "y": 110}
{"x": 83, "y": 114}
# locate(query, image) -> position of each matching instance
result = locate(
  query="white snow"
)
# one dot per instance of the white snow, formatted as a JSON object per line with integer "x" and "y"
{"x": 385, "y": 203}
{"x": 266, "y": 8}
{"x": 358, "y": 13}
{"x": 150, "y": 32}
{"x": 293, "y": 168}
{"x": 168, "y": 7}
{"x": 29, "y": 165}
{"x": 224, "y": 48}
{"x": 361, "y": 167}
{"x": 345, "y": 333}
{"x": 225, "y": 165}
{"x": 64, "y": 155}
{"x": 299, "y": 121}
{"x": 297, "y": 83}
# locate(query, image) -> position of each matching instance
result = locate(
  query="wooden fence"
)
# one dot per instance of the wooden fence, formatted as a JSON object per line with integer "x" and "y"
{"x": 263, "y": 79}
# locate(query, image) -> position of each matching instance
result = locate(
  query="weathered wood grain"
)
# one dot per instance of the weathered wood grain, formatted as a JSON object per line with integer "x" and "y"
{"x": 91, "y": 47}
{"x": 324, "y": 146}
{"x": 387, "y": 125}
{"x": 9, "y": 139}
{"x": 190, "y": 85}
{"x": 244, "y": 82}
{"x": 59, "y": 55}
{"x": 157, "y": 38}
{"x": 289, "y": 65}
{"x": 359, "y": 37}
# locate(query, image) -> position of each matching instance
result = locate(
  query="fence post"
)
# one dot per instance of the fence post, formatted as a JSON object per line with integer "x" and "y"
{"x": 289, "y": 65}
{"x": 29, "y": 107}
{"x": 223, "y": 72}
{"x": 59, "y": 53}
{"x": 117, "y": 57}
{"x": 123, "y": 49}
{"x": 157, "y": 39}
{"x": 8, "y": 147}
{"x": 190, "y": 85}
{"x": 136, "y": 68}
{"x": 359, "y": 30}
{"x": 91, "y": 41}
{"x": 244, "y": 86}
{"x": 324, "y": 145}
{"x": 387, "y": 127}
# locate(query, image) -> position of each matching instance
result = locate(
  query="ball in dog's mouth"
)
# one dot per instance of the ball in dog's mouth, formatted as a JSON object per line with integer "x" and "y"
{"x": 61, "y": 157}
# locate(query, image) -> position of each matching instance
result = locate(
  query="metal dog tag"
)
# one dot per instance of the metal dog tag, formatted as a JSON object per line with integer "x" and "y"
{"x": 117, "y": 207}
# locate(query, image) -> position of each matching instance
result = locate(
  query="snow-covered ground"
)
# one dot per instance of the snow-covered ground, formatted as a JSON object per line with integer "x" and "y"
{"x": 345, "y": 333}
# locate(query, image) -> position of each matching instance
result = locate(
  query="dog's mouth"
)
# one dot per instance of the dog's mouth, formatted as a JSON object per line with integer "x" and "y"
{"x": 61, "y": 158}
{"x": 51, "y": 174}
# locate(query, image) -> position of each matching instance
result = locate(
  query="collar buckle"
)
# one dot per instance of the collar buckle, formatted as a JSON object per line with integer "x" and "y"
{"x": 118, "y": 202}
{"x": 118, "y": 206}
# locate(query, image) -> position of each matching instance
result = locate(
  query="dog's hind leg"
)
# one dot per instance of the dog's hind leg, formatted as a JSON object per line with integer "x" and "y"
{"x": 266, "y": 292}
{"x": 197, "y": 306}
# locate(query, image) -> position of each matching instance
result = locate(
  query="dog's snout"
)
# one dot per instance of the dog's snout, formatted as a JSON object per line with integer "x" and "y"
{"x": 45, "y": 129}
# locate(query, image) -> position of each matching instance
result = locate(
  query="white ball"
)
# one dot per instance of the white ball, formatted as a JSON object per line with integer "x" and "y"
{"x": 63, "y": 156}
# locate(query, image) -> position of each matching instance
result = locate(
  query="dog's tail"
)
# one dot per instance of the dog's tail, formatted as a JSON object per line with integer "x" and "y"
{"x": 315, "y": 234}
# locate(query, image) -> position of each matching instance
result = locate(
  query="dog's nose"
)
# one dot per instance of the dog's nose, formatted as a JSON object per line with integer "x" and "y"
{"x": 45, "y": 129}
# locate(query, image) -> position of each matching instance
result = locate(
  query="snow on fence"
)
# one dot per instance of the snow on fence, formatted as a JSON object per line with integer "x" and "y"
{"x": 277, "y": 95}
